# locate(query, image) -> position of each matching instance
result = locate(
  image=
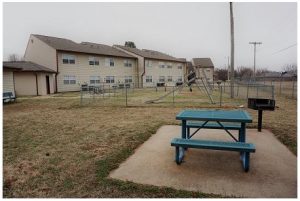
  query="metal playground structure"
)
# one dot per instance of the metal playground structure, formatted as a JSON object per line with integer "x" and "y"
{"x": 193, "y": 78}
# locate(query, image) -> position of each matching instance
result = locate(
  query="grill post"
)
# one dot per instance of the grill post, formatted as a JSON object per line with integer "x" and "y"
{"x": 260, "y": 113}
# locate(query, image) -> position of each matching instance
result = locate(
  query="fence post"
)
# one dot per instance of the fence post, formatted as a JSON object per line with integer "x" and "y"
{"x": 103, "y": 90}
{"x": 237, "y": 90}
{"x": 247, "y": 90}
{"x": 173, "y": 95}
{"x": 280, "y": 86}
{"x": 221, "y": 93}
{"x": 224, "y": 85}
{"x": 126, "y": 95}
{"x": 293, "y": 88}
{"x": 81, "y": 95}
{"x": 93, "y": 93}
{"x": 273, "y": 89}
{"x": 108, "y": 90}
{"x": 256, "y": 91}
{"x": 133, "y": 87}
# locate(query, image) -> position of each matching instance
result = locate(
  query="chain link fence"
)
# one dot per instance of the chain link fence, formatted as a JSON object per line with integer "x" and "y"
{"x": 217, "y": 95}
{"x": 284, "y": 85}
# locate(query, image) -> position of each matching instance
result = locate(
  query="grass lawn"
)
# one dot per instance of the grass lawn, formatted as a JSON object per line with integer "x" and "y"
{"x": 55, "y": 147}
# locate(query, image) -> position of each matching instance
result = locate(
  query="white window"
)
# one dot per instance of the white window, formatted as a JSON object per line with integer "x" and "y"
{"x": 161, "y": 78}
{"x": 68, "y": 59}
{"x": 148, "y": 63}
{"x": 128, "y": 79}
{"x": 170, "y": 79}
{"x": 179, "y": 67}
{"x": 94, "y": 79}
{"x": 149, "y": 78}
{"x": 69, "y": 79}
{"x": 110, "y": 79}
{"x": 161, "y": 64}
{"x": 127, "y": 63}
{"x": 179, "y": 79}
{"x": 94, "y": 61}
{"x": 208, "y": 71}
{"x": 169, "y": 65}
{"x": 109, "y": 62}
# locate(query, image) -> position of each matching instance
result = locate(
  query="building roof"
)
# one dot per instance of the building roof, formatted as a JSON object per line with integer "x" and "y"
{"x": 203, "y": 62}
{"x": 151, "y": 54}
{"x": 84, "y": 47}
{"x": 26, "y": 66}
{"x": 18, "y": 68}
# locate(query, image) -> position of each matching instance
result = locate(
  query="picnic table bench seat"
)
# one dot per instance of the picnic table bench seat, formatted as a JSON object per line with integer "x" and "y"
{"x": 213, "y": 125}
{"x": 243, "y": 148}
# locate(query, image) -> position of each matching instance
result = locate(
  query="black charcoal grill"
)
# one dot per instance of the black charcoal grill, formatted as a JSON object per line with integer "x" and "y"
{"x": 261, "y": 104}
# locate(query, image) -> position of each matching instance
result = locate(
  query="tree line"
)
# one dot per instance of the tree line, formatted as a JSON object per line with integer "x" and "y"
{"x": 246, "y": 72}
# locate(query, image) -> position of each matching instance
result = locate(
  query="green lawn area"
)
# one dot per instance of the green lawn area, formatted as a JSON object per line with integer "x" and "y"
{"x": 56, "y": 147}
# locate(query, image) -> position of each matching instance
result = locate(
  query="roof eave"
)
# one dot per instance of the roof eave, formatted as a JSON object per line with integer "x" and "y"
{"x": 131, "y": 57}
{"x": 149, "y": 57}
{"x": 165, "y": 60}
{"x": 12, "y": 68}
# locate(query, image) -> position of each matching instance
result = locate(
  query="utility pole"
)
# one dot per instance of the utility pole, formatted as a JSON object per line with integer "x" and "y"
{"x": 232, "y": 52}
{"x": 254, "y": 43}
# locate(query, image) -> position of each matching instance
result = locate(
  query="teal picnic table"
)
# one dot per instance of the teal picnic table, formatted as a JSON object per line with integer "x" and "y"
{"x": 214, "y": 119}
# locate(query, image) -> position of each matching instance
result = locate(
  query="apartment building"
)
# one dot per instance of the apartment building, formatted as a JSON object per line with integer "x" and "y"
{"x": 204, "y": 66}
{"x": 156, "y": 68}
{"x": 60, "y": 65}
{"x": 81, "y": 63}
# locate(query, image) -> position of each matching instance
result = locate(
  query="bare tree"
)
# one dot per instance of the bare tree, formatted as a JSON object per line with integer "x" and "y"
{"x": 221, "y": 74}
{"x": 14, "y": 57}
{"x": 290, "y": 68}
{"x": 130, "y": 44}
{"x": 261, "y": 71}
{"x": 244, "y": 72}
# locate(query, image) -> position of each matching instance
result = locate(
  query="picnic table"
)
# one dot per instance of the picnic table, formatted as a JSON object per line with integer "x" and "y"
{"x": 214, "y": 119}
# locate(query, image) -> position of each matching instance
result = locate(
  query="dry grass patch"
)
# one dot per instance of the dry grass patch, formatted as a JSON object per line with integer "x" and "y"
{"x": 53, "y": 147}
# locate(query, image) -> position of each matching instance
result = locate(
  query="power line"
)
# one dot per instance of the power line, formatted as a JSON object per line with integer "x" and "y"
{"x": 285, "y": 48}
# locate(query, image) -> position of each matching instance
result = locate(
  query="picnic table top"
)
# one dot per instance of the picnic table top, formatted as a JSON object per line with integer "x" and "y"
{"x": 215, "y": 115}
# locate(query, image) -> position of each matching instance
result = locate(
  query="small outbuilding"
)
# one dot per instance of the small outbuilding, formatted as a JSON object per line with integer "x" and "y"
{"x": 205, "y": 66}
{"x": 24, "y": 78}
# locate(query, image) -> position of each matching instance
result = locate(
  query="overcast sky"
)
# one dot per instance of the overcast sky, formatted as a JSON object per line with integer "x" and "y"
{"x": 183, "y": 30}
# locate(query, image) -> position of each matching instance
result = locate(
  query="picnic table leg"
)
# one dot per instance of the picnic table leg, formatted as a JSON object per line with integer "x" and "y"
{"x": 180, "y": 151}
{"x": 242, "y": 136}
{"x": 242, "y": 133}
{"x": 188, "y": 131}
{"x": 244, "y": 156}
{"x": 246, "y": 161}
{"x": 183, "y": 129}
{"x": 179, "y": 155}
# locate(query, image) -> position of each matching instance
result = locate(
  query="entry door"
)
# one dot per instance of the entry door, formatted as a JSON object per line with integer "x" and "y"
{"x": 48, "y": 84}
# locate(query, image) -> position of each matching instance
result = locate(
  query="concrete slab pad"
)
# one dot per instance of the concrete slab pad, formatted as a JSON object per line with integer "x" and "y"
{"x": 273, "y": 168}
